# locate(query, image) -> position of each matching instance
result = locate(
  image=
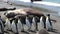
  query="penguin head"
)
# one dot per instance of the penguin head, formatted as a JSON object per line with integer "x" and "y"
{"x": 48, "y": 15}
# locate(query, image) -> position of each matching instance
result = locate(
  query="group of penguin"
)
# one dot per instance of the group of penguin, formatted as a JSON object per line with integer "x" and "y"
{"x": 19, "y": 20}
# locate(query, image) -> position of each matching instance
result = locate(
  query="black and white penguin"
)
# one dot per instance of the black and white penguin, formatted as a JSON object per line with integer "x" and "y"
{"x": 1, "y": 26}
{"x": 14, "y": 26}
{"x": 34, "y": 21}
{"x": 28, "y": 23}
{"x": 20, "y": 24}
{"x": 8, "y": 24}
{"x": 43, "y": 21}
{"x": 48, "y": 23}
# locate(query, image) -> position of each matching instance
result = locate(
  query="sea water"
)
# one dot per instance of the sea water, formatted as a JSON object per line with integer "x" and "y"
{"x": 55, "y": 1}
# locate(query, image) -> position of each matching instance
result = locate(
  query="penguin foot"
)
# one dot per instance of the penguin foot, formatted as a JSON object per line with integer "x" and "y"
{"x": 22, "y": 31}
{"x": 16, "y": 33}
{"x": 31, "y": 31}
{"x": 44, "y": 27}
{"x": 50, "y": 29}
{"x": 35, "y": 29}
{"x": 9, "y": 30}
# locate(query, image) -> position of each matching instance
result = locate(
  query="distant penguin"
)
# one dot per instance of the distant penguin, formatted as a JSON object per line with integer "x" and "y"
{"x": 20, "y": 24}
{"x": 14, "y": 27}
{"x": 43, "y": 21}
{"x": 1, "y": 27}
{"x": 8, "y": 24}
{"x": 48, "y": 23}
{"x": 28, "y": 23}
{"x": 34, "y": 20}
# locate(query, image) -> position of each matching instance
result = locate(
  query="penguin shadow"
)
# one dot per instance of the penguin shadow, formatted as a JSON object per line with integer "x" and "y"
{"x": 6, "y": 32}
{"x": 26, "y": 32}
{"x": 34, "y": 31}
{"x": 54, "y": 30}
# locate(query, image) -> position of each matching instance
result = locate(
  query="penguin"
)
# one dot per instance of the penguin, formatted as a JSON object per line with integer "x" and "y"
{"x": 14, "y": 27}
{"x": 48, "y": 23}
{"x": 28, "y": 24}
{"x": 1, "y": 26}
{"x": 20, "y": 24}
{"x": 8, "y": 24}
{"x": 43, "y": 21}
{"x": 34, "y": 20}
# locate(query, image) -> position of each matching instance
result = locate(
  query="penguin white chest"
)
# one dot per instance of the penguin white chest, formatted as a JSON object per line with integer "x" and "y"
{"x": 27, "y": 22}
{"x": 48, "y": 26}
{"x": 41, "y": 22}
{"x": 19, "y": 23}
{"x": 33, "y": 20}
{"x": 14, "y": 27}
{"x": 8, "y": 24}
